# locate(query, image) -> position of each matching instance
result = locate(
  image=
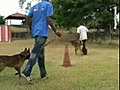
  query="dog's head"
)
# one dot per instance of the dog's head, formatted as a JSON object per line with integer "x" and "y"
{"x": 74, "y": 41}
{"x": 25, "y": 53}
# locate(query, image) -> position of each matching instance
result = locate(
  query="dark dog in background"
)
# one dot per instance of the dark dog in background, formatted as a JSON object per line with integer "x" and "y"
{"x": 15, "y": 61}
{"x": 76, "y": 44}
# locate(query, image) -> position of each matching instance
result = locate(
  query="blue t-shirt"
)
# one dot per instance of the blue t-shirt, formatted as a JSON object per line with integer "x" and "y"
{"x": 39, "y": 13}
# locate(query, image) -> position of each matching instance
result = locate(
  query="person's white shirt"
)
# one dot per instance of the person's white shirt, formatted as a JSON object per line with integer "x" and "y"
{"x": 82, "y": 30}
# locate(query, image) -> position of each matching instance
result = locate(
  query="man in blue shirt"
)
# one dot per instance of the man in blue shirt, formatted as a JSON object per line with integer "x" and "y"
{"x": 40, "y": 15}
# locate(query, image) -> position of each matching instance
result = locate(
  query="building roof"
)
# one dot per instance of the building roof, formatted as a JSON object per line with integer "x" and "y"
{"x": 17, "y": 15}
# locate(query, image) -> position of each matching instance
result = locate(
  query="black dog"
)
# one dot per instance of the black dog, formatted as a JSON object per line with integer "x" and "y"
{"x": 15, "y": 61}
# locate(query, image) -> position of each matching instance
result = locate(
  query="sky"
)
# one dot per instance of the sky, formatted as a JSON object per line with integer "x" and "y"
{"x": 8, "y": 7}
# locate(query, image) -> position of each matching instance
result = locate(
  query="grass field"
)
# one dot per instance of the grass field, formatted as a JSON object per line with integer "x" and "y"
{"x": 96, "y": 71}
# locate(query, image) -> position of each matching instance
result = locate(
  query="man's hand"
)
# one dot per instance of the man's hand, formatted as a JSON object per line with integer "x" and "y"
{"x": 58, "y": 34}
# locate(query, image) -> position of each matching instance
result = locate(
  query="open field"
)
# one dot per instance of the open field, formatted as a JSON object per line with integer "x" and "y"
{"x": 96, "y": 71}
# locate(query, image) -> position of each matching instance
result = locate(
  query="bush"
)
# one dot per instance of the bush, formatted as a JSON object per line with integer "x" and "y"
{"x": 2, "y": 21}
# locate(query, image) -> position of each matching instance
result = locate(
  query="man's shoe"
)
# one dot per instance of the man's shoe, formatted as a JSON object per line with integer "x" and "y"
{"x": 44, "y": 78}
{"x": 28, "y": 78}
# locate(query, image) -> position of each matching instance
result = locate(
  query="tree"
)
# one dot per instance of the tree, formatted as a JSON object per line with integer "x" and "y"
{"x": 68, "y": 13}
{"x": 2, "y": 21}
{"x": 28, "y": 4}
{"x": 94, "y": 13}
{"x": 71, "y": 13}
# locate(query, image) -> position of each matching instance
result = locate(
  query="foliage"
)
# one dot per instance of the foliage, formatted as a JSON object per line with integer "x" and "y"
{"x": 26, "y": 4}
{"x": 94, "y": 13}
{"x": 72, "y": 13}
{"x": 2, "y": 20}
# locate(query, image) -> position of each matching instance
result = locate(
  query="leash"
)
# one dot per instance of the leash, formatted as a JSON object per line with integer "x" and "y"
{"x": 49, "y": 42}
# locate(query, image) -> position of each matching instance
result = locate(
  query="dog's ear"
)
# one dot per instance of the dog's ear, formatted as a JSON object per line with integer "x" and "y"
{"x": 28, "y": 50}
{"x": 25, "y": 49}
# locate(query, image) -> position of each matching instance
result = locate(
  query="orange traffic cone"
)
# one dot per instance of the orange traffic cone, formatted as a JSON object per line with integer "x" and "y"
{"x": 66, "y": 62}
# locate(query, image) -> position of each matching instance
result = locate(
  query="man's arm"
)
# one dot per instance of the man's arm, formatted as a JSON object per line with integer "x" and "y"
{"x": 53, "y": 27}
{"x": 28, "y": 21}
{"x": 78, "y": 34}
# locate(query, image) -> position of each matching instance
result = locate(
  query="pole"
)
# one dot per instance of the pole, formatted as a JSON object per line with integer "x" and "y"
{"x": 115, "y": 18}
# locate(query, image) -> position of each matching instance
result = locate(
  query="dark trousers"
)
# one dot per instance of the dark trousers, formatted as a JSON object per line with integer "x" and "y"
{"x": 84, "y": 49}
{"x": 37, "y": 54}
{"x": 84, "y": 43}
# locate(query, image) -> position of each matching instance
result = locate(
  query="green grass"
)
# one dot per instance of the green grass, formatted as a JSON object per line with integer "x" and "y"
{"x": 96, "y": 71}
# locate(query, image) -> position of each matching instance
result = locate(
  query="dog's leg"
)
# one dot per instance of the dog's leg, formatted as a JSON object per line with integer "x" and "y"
{"x": 18, "y": 69}
{"x": 80, "y": 49}
{"x": 76, "y": 51}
